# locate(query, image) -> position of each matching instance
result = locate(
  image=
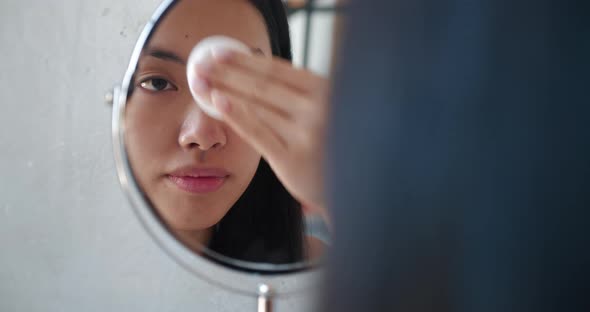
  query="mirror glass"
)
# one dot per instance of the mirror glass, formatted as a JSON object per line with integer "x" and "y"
{"x": 214, "y": 190}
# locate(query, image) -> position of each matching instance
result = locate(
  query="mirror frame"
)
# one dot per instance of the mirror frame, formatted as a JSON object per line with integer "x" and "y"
{"x": 281, "y": 280}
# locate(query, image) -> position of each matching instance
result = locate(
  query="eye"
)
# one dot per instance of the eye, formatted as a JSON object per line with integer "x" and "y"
{"x": 157, "y": 84}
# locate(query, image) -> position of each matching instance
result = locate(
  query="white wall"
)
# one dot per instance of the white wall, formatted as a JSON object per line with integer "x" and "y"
{"x": 68, "y": 238}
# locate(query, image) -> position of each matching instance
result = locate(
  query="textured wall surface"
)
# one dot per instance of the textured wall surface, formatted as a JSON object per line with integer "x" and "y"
{"x": 68, "y": 238}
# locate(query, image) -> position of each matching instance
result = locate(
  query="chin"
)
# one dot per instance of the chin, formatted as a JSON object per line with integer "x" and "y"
{"x": 181, "y": 225}
{"x": 191, "y": 218}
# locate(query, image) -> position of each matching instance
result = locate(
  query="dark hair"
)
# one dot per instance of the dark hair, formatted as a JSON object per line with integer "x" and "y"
{"x": 266, "y": 223}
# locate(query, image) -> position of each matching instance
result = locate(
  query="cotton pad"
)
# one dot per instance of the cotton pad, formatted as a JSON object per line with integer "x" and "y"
{"x": 202, "y": 53}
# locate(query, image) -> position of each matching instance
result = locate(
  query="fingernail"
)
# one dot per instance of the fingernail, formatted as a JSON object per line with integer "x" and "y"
{"x": 201, "y": 85}
{"x": 223, "y": 54}
{"x": 220, "y": 101}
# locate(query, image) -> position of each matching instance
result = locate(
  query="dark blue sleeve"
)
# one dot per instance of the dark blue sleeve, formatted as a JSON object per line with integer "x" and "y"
{"x": 459, "y": 158}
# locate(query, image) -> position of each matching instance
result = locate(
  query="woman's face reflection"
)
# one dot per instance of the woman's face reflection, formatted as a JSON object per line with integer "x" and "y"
{"x": 170, "y": 139}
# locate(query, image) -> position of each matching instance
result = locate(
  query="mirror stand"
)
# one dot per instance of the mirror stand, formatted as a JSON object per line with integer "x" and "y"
{"x": 264, "y": 298}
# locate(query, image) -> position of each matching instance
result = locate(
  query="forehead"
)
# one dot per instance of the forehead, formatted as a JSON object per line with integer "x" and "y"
{"x": 190, "y": 21}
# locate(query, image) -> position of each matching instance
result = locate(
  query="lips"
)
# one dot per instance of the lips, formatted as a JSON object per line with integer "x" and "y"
{"x": 198, "y": 180}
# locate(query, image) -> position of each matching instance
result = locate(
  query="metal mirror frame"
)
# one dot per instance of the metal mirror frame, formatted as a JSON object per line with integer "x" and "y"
{"x": 278, "y": 280}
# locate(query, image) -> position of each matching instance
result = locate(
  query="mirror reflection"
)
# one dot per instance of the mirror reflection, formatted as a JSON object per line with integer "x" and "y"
{"x": 247, "y": 185}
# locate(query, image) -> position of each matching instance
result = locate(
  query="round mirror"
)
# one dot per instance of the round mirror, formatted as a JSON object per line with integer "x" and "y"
{"x": 211, "y": 191}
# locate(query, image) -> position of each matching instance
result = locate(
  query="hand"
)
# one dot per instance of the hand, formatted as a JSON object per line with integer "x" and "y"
{"x": 279, "y": 110}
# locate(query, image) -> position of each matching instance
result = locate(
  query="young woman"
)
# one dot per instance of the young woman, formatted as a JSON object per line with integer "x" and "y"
{"x": 236, "y": 185}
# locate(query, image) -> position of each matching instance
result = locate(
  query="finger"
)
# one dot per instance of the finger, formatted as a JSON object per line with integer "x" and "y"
{"x": 281, "y": 125}
{"x": 274, "y": 68}
{"x": 260, "y": 90}
{"x": 239, "y": 115}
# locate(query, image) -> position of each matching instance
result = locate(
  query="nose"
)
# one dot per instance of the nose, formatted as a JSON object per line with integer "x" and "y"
{"x": 199, "y": 131}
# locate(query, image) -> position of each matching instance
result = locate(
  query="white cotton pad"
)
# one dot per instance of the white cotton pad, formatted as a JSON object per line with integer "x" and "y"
{"x": 203, "y": 52}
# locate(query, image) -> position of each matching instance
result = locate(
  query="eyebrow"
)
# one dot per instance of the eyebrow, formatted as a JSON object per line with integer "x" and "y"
{"x": 165, "y": 55}
{"x": 256, "y": 50}
{"x": 173, "y": 57}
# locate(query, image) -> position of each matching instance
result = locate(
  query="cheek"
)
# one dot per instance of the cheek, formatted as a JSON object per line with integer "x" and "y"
{"x": 243, "y": 155}
{"x": 150, "y": 135}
